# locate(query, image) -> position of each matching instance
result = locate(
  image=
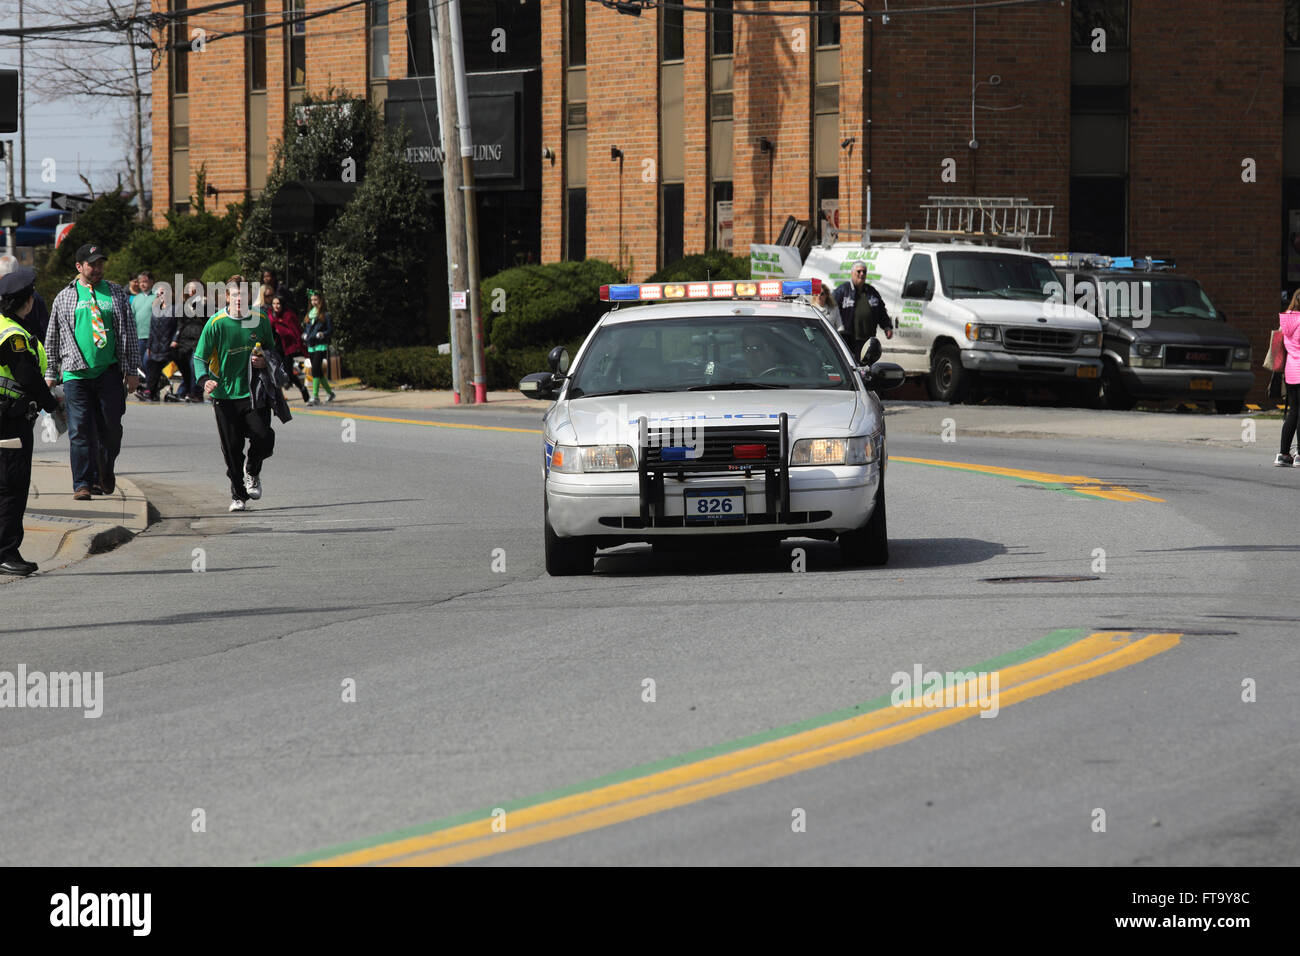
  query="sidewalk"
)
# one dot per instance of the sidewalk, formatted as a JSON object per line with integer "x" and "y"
{"x": 59, "y": 530}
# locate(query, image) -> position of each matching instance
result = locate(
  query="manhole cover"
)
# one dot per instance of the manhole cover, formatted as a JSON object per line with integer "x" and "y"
{"x": 1043, "y": 578}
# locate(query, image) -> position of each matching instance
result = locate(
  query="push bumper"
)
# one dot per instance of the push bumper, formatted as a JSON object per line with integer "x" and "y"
{"x": 1177, "y": 383}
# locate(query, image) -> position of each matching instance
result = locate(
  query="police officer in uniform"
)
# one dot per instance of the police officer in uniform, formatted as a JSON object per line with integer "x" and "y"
{"x": 22, "y": 393}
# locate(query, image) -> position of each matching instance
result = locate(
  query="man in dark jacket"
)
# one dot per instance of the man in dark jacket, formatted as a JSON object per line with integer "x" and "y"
{"x": 862, "y": 310}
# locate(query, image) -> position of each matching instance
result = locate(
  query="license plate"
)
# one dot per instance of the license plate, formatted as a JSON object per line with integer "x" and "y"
{"x": 1203, "y": 384}
{"x": 1086, "y": 371}
{"x": 711, "y": 504}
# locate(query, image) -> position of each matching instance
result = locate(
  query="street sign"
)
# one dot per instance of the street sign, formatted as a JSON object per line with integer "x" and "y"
{"x": 69, "y": 203}
{"x": 459, "y": 300}
{"x": 8, "y": 101}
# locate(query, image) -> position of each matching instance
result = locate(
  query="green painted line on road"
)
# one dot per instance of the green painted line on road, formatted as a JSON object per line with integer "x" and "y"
{"x": 1045, "y": 645}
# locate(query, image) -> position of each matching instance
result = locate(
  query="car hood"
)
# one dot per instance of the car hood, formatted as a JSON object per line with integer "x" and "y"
{"x": 1023, "y": 312}
{"x": 1172, "y": 330}
{"x": 813, "y": 413}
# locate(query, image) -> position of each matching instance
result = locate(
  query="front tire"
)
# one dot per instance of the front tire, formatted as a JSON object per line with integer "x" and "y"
{"x": 566, "y": 556}
{"x": 1111, "y": 392}
{"x": 868, "y": 546}
{"x": 949, "y": 380}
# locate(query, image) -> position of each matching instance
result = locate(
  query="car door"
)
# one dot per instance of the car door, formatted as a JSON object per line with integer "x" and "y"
{"x": 913, "y": 337}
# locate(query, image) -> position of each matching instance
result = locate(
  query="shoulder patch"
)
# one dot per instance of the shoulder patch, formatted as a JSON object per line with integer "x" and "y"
{"x": 19, "y": 344}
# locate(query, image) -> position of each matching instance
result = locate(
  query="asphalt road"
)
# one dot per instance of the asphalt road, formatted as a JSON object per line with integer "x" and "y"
{"x": 371, "y": 561}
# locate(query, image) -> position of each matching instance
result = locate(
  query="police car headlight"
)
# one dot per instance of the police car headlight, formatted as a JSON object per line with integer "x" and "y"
{"x": 982, "y": 333}
{"x": 575, "y": 460}
{"x": 834, "y": 451}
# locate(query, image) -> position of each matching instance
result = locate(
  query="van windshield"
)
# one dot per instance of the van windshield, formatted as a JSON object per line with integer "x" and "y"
{"x": 972, "y": 275}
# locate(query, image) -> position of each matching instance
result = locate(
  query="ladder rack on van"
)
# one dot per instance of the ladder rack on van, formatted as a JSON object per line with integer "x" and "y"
{"x": 987, "y": 219}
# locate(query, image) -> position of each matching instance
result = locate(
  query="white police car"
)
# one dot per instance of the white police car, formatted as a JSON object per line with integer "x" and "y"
{"x": 723, "y": 408}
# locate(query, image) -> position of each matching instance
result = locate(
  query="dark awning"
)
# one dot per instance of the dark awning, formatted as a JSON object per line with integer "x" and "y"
{"x": 307, "y": 207}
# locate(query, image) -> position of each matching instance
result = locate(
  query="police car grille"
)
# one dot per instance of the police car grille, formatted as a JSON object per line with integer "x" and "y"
{"x": 1179, "y": 356}
{"x": 719, "y": 445}
{"x": 1039, "y": 340}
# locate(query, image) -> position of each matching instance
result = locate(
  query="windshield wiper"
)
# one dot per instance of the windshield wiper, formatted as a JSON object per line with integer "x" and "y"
{"x": 975, "y": 288}
{"x": 734, "y": 385}
{"x": 617, "y": 391}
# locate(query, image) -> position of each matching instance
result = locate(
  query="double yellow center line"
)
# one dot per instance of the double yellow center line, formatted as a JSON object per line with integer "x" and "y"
{"x": 1099, "y": 653}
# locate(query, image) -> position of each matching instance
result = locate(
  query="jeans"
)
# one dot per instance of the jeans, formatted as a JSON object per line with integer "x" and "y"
{"x": 144, "y": 353}
{"x": 95, "y": 409}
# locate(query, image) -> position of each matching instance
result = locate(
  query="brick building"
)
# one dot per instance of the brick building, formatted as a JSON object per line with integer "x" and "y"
{"x": 1169, "y": 129}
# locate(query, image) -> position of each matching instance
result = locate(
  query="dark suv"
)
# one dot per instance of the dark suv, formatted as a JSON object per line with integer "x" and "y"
{"x": 1162, "y": 337}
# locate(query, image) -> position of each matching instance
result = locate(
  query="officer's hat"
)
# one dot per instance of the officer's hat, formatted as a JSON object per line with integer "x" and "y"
{"x": 24, "y": 277}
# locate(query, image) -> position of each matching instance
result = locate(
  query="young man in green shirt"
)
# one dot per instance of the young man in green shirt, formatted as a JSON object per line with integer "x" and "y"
{"x": 221, "y": 366}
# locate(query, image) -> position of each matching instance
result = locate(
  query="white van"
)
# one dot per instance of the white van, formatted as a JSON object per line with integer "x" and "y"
{"x": 986, "y": 317}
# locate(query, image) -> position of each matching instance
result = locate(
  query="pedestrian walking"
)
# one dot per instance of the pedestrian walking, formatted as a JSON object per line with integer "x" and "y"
{"x": 288, "y": 336}
{"x": 142, "y": 307}
{"x": 223, "y": 362}
{"x": 23, "y": 390}
{"x": 92, "y": 344}
{"x": 316, "y": 334}
{"x": 862, "y": 310}
{"x": 1289, "y": 322}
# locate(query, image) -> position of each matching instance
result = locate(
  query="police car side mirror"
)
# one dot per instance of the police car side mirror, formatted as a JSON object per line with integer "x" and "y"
{"x": 883, "y": 376}
{"x": 558, "y": 360}
{"x": 870, "y": 351}
{"x": 540, "y": 385}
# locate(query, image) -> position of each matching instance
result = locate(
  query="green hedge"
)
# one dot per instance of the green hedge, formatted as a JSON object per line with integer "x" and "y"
{"x": 221, "y": 271}
{"x": 714, "y": 264}
{"x": 539, "y": 305}
{"x": 422, "y": 367}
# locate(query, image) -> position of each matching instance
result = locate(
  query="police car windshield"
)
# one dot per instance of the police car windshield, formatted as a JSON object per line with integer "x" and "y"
{"x": 732, "y": 352}
{"x": 971, "y": 275}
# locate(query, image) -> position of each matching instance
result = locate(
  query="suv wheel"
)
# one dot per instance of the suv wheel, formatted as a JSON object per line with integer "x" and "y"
{"x": 949, "y": 380}
{"x": 566, "y": 556}
{"x": 869, "y": 545}
{"x": 1111, "y": 392}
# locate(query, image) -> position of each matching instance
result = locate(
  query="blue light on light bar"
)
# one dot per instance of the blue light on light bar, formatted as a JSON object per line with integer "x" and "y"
{"x": 624, "y": 293}
{"x": 798, "y": 287}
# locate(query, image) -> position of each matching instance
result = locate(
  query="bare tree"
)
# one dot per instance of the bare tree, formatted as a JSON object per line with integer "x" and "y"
{"x": 113, "y": 67}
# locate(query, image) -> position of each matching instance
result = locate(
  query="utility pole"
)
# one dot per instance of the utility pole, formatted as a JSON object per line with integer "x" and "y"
{"x": 471, "y": 213}
{"x": 7, "y": 147}
{"x": 22, "y": 97}
{"x": 453, "y": 211}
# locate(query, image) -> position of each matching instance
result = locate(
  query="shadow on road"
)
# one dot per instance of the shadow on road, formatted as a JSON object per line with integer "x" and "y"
{"x": 719, "y": 558}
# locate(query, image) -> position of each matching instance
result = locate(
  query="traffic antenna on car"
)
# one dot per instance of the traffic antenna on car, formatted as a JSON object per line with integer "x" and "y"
{"x": 731, "y": 289}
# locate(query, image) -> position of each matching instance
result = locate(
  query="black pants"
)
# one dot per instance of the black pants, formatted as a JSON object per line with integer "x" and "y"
{"x": 1292, "y": 417}
{"x": 15, "y": 479}
{"x": 154, "y": 375}
{"x": 238, "y": 421}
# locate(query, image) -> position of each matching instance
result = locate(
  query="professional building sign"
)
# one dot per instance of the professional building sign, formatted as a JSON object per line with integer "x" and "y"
{"x": 492, "y": 124}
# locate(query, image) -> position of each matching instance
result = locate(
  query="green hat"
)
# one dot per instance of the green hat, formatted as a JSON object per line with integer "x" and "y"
{"x": 313, "y": 291}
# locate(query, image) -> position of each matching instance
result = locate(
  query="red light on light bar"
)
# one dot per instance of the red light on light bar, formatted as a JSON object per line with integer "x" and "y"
{"x": 697, "y": 290}
{"x": 652, "y": 292}
{"x": 749, "y": 451}
{"x": 817, "y": 286}
{"x": 724, "y": 290}
{"x": 770, "y": 287}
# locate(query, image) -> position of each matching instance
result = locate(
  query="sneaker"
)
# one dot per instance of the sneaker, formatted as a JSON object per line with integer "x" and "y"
{"x": 1284, "y": 461}
{"x": 253, "y": 485}
{"x": 81, "y": 494}
{"x": 312, "y": 401}
{"x": 237, "y": 504}
{"x": 330, "y": 398}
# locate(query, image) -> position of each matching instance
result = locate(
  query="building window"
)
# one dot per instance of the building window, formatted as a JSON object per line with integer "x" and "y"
{"x": 577, "y": 49}
{"x": 378, "y": 10}
{"x": 575, "y": 213}
{"x": 1097, "y": 214}
{"x": 297, "y": 42}
{"x": 672, "y": 46}
{"x": 721, "y": 122}
{"x": 826, "y": 99}
{"x": 419, "y": 39}
{"x": 180, "y": 54}
{"x": 828, "y": 205}
{"x": 673, "y": 216}
{"x": 256, "y": 47}
{"x": 828, "y": 24}
{"x": 501, "y": 34}
{"x": 723, "y": 220}
{"x": 723, "y": 37}
{"x": 180, "y": 116}
{"x": 1109, "y": 16}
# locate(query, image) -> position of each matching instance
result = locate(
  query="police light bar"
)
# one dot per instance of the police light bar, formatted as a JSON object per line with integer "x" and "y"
{"x": 731, "y": 289}
{"x": 1090, "y": 260}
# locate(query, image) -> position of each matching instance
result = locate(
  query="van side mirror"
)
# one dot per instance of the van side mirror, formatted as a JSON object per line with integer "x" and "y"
{"x": 917, "y": 289}
{"x": 870, "y": 351}
{"x": 884, "y": 376}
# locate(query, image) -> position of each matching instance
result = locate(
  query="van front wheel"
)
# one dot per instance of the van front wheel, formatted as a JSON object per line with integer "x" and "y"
{"x": 949, "y": 381}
